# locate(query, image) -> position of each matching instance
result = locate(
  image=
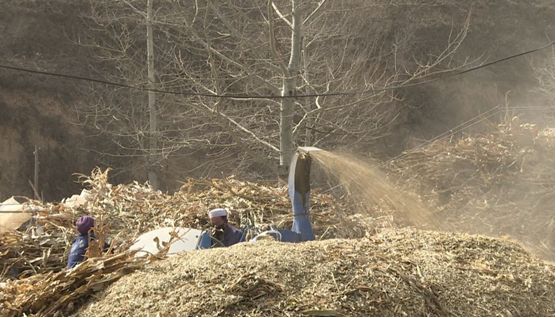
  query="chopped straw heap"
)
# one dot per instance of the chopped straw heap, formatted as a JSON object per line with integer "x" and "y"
{"x": 498, "y": 184}
{"x": 396, "y": 273}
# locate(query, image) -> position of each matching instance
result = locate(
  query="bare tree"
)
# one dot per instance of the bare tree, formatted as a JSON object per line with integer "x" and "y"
{"x": 279, "y": 48}
{"x": 153, "y": 120}
{"x": 289, "y": 85}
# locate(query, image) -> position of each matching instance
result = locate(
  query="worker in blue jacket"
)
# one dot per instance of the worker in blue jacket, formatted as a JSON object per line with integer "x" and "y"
{"x": 84, "y": 226}
{"x": 224, "y": 234}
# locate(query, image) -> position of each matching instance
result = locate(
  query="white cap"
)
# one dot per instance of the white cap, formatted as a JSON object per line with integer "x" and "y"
{"x": 217, "y": 212}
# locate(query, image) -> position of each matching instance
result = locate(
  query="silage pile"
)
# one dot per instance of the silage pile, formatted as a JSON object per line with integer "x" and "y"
{"x": 497, "y": 184}
{"x": 501, "y": 183}
{"x": 395, "y": 273}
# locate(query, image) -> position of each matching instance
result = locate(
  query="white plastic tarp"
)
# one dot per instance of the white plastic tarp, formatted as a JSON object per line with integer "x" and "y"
{"x": 12, "y": 215}
{"x": 152, "y": 242}
{"x": 77, "y": 200}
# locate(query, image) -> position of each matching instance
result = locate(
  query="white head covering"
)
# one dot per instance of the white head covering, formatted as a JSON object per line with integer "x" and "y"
{"x": 217, "y": 212}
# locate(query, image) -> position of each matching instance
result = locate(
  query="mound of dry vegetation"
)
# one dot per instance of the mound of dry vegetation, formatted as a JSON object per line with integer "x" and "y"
{"x": 37, "y": 255}
{"x": 125, "y": 211}
{"x": 396, "y": 273}
{"x": 497, "y": 184}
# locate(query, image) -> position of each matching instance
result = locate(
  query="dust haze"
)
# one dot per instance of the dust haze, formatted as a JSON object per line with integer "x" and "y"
{"x": 430, "y": 189}
{"x": 492, "y": 170}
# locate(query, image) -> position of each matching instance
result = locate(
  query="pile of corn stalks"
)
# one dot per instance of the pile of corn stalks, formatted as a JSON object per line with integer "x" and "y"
{"x": 498, "y": 184}
{"x": 24, "y": 255}
{"x": 36, "y": 257}
{"x": 123, "y": 212}
{"x": 60, "y": 293}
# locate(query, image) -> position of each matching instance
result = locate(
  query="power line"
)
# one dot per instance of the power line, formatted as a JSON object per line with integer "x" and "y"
{"x": 248, "y": 96}
{"x": 450, "y": 75}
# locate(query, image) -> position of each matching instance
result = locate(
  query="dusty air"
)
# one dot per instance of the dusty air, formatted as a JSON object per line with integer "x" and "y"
{"x": 277, "y": 158}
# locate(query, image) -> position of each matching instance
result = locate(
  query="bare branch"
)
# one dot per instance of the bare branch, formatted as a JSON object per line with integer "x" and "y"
{"x": 272, "y": 40}
{"x": 279, "y": 14}
{"x": 143, "y": 14}
{"x": 312, "y": 14}
{"x": 242, "y": 128}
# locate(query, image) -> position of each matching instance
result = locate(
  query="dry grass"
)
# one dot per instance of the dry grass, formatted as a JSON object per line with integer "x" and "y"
{"x": 396, "y": 273}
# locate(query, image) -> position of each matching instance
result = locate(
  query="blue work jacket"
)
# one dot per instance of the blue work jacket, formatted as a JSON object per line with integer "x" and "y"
{"x": 78, "y": 250}
{"x": 227, "y": 235}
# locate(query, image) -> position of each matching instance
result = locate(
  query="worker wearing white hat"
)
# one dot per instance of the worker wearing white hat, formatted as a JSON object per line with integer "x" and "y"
{"x": 224, "y": 234}
{"x": 217, "y": 213}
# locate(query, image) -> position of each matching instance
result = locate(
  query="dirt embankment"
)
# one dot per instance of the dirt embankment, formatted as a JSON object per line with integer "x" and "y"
{"x": 35, "y": 118}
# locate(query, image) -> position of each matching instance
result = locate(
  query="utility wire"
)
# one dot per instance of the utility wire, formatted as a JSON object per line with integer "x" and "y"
{"x": 248, "y": 96}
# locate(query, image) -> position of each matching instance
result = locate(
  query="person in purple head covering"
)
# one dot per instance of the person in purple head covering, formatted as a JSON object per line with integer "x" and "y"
{"x": 84, "y": 225}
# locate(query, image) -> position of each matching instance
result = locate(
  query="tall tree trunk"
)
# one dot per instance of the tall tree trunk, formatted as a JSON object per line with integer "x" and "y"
{"x": 152, "y": 173}
{"x": 289, "y": 85}
{"x": 36, "y": 174}
{"x": 310, "y": 121}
